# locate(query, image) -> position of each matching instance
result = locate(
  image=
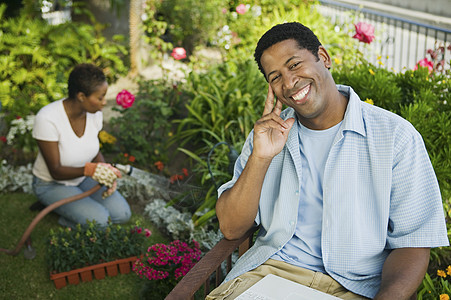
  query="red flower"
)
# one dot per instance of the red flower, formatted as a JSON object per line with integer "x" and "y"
{"x": 125, "y": 99}
{"x": 139, "y": 230}
{"x": 185, "y": 171}
{"x": 364, "y": 32}
{"x": 241, "y": 9}
{"x": 176, "y": 177}
{"x": 125, "y": 154}
{"x": 132, "y": 158}
{"x": 159, "y": 165}
{"x": 424, "y": 63}
{"x": 178, "y": 53}
{"x": 3, "y": 139}
{"x": 18, "y": 117}
{"x": 173, "y": 178}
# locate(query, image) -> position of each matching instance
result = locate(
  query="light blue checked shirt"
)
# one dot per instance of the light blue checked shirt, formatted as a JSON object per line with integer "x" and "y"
{"x": 380, "y": 192}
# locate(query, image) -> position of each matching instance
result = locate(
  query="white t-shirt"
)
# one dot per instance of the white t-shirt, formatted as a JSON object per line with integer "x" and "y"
{"x": 52, "y": 124}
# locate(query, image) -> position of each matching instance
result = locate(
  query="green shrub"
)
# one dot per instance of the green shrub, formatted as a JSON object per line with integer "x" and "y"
{"x": 371, "y": 82}
{"x": 190, "y": 22}
{"x": 143, "y": 130}
{"x": 247, "y": 28}
{"x": 35, "y": 59}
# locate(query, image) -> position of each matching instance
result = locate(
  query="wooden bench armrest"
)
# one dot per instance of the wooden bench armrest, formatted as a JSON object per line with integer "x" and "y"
{"x": 210, "y": 263}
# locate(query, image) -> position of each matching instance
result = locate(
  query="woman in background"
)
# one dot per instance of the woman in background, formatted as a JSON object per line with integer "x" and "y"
{"x": 69, "y": 161}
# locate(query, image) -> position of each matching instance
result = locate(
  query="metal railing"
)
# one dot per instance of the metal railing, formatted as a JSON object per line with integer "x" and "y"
{"x": 400, "y": 43}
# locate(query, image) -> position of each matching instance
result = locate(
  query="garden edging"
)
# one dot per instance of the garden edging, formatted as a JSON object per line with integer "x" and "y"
{"x": 86, "y": 274}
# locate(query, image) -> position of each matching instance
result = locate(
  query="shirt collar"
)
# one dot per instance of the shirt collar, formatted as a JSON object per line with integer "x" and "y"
{"x": 353, "y": 119}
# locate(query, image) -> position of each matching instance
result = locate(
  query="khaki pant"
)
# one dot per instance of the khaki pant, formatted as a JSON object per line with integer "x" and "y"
{"x": 316, "y": 280}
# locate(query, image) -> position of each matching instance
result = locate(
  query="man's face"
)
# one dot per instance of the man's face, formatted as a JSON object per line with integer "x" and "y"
{"x": 299, "y": 79}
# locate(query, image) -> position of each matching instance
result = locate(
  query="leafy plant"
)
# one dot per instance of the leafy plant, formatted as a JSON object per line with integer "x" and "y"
{"x": 436, "y": 287}
{"x": 20, "y": 145}
{"x": 144, "y": 128}
{"x": 372, "y": 82}
{"x": 91, "y": 244}
{"x": 245, "y": 29}
{"x": 35, "y": 59}
{"x": 191, "y": 23}
{"x": 155, "y": 28}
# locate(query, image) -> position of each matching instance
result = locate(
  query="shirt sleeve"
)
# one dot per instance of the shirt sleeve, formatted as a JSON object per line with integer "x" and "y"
{"x": 99, "y": 120}
{"x": 416, "y": 210}
{"x": 44, "y": 128}
{"x": 239, "y": 167}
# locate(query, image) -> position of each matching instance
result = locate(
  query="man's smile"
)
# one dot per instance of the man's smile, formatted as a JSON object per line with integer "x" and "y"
{"x": 300, "y": 96}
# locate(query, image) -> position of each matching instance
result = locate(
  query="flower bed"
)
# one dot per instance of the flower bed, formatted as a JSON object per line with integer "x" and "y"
{"x": 76, "y": 254}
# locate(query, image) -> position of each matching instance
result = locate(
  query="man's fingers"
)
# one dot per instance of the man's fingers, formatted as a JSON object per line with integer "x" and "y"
{"x": 274, "y": 122}
{"x": 269, "y": 103}
{"x": 278, "y": 108}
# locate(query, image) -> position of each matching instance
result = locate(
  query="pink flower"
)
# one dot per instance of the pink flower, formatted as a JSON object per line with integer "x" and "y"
{"x": 125, "y": 99}
{"x": 178, "y": 53}
{"x": 139, "y": 230}
{"x": 364, "y": 32}
{"x": 424, "y": 63}
{"x": 241, "y": 9}
{"x": 224, "y": 10}
{"x": 148, "y": 232}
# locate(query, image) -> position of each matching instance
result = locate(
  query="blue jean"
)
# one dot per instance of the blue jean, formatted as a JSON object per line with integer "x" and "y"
{"x": 88, "y": 208}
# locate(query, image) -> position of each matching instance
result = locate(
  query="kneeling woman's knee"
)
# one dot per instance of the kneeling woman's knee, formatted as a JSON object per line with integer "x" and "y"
{"x": 123, "y": 216}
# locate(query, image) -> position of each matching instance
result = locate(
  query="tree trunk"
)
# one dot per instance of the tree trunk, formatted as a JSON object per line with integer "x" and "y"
{"x": 134, "y": 22}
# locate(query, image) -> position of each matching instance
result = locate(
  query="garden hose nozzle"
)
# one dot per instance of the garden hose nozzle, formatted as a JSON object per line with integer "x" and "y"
{"x": 126, "y": 169}
{"x": 28, "y": 251}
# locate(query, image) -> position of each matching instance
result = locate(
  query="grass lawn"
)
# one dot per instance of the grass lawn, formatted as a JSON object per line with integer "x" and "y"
{"x": 29, "y": 279}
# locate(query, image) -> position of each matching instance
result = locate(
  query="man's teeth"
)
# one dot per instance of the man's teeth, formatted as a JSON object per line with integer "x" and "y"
{"x": 301, "y": 94}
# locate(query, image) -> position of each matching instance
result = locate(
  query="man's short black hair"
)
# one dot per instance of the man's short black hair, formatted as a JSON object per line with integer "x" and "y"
{"x": 85, "y": 78}
{"x": 305, "y": 38}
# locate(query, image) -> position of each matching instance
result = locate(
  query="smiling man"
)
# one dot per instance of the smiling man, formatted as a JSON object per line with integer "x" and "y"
{"x": 343, "y": 191}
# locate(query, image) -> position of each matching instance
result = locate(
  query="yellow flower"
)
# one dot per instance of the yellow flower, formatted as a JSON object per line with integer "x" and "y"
{"x": 371, "y": 71}
{"x": 337, "y": 61}
{"x": 379, "y": 57}
{"x": 444, "y": 297}
{"x": 106, "y": 138}
{"x": 370, "y": 101}
{"x": 379, "y": 62}
{"x": 441, "y": 273}
{"x": 448, "y": 270}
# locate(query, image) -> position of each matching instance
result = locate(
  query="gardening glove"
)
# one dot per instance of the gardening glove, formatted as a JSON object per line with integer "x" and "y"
{"x": 110, "y": 191}
{"x": 104, "y": 174}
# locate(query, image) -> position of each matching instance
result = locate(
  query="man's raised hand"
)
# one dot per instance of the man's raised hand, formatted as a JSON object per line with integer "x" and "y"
{"x": 271, "y": 131}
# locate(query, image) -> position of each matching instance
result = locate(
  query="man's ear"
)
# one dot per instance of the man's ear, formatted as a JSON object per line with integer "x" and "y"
{"x": 324, "y": 57}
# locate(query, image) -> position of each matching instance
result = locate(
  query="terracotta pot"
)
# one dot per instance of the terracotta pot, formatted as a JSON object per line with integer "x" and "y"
{"x": 111, "y": 268}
